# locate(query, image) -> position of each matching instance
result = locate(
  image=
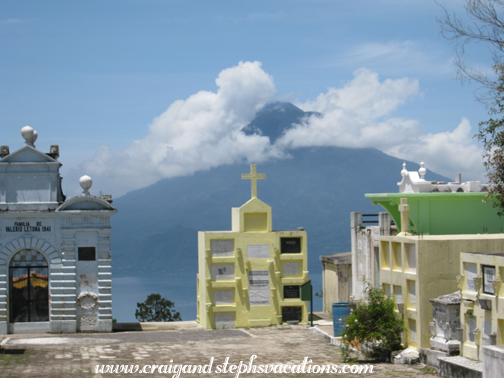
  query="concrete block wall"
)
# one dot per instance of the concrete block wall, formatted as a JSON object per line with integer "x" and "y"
{"x": 493, "y": 361}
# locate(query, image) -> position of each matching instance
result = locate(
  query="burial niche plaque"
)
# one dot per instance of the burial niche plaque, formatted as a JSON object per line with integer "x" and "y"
{"x": 222, "y": 247}
{"x": 223, "y": 272}
{"x": 291, "y": 268}
{"x": 87, "y": 253}
{"x": 224, "y": 320}
{"x": 290, "y": 245}
{"x": 259, "y": 288}
{"x": 488, "y": 279}
{"x": 258, "y": 251}
{"x": 223, "y": 297}
{"x": 291, "y": 291}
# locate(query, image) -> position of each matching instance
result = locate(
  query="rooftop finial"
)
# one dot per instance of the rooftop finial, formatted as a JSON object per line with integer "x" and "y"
{"x": 29, "y": 135}
{"x": 422, "y": 171}
{"x": 86, "y": 182}
{"x": 404, "y": 172}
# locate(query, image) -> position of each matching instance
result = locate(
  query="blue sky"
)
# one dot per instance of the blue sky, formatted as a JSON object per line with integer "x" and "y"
{"x": 134, "y": 91}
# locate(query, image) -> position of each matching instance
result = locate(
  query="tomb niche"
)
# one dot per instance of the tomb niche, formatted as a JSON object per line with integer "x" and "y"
{"x": 445, "y": 329}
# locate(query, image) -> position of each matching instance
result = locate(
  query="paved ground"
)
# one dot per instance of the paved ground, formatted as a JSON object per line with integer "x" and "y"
{"x": 78, "y": 355}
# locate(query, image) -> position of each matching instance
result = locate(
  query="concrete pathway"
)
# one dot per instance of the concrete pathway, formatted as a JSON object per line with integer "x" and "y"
{"x": 78, "y": 355}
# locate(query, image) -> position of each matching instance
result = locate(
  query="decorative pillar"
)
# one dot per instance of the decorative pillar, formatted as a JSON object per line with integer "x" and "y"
{"x": 404, "y": 208}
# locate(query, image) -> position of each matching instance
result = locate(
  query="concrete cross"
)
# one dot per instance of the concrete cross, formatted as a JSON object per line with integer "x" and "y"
{"x": 253, "y": 176}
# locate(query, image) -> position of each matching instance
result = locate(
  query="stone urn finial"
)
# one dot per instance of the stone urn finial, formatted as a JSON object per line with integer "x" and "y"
{"x": 404, "y": 172}
{"x": 86, "y": 182}
{"x": 29, "y": 135}
{"x": 422, "y": 171}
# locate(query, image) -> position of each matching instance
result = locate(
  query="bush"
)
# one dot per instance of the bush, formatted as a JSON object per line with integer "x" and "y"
{"x": 156, "y": 309}
{"x": 373, "y": 326}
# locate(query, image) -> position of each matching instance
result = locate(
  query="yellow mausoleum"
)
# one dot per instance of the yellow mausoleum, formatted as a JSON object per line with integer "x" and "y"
{"x": 251, "y": 276}
{"x": 481, "y": 310}
{"x": 415, "y": 269}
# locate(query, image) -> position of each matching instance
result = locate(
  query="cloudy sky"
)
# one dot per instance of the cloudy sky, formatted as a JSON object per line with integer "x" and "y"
{"x": 138, "y": 90}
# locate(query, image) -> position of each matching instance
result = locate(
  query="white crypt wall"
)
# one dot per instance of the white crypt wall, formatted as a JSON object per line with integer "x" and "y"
{"x": 55, "y": 254}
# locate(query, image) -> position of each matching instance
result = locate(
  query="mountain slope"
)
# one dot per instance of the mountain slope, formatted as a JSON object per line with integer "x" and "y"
{"x": 155, "y": 229}
{"x": 276, "y": 118}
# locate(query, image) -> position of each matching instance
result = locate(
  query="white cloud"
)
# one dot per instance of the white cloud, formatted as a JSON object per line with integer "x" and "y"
{"x": 198, "y": 133}
{"x": 397, "y": 57}
{"x": 203, "y": 131}
{"x": 446, "y": 153}
{"x": 10, "y": 21}
{"x": 359, "y": 115}
{"x": 355, "y": 115}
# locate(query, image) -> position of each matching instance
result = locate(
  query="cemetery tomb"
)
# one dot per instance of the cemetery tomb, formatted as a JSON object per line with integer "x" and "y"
{"x": 55, "y": 256}
{"x": 251, "y": 275}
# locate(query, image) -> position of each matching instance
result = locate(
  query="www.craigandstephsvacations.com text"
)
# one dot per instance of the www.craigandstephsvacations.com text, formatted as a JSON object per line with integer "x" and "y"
{"x": 249, "y": 367}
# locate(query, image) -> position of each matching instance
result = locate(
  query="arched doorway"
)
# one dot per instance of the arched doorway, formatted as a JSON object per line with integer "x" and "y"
{"x": 29, "y": 287}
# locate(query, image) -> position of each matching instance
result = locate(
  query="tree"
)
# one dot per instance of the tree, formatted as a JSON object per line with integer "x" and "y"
{"x": 156, "y": 309}
{"x": 486, "y": 25}
{"x": 375, "y": 325}
{"x": 491, "y": 133}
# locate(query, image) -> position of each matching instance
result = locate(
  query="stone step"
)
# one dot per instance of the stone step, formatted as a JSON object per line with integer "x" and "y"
{"x": 460, "y": 367}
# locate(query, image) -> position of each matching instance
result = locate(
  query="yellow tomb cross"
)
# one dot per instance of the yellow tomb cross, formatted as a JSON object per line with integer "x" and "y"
{"x": 253, "y": 176}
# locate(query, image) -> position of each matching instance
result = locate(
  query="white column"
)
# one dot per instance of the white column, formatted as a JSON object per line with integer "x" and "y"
{"x": 355, "y": 225}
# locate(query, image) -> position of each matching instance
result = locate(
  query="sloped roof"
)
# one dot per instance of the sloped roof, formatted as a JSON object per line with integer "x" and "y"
{"x": 255, "y": 203}
{"x": 89, "y": 203}
{"x": 28, "y": 154}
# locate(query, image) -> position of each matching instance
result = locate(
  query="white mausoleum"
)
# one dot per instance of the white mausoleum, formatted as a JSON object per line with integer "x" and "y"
{"x": 414, "y": 182}
{"x": 55, "y": 263}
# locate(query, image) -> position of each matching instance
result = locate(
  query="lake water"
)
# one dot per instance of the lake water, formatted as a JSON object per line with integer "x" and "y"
{"x": 180, "y": 289}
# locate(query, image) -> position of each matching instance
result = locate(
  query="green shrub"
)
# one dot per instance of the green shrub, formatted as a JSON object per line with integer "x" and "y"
{"x": 373, "y": 326}
{"x": 156, "y": 309}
